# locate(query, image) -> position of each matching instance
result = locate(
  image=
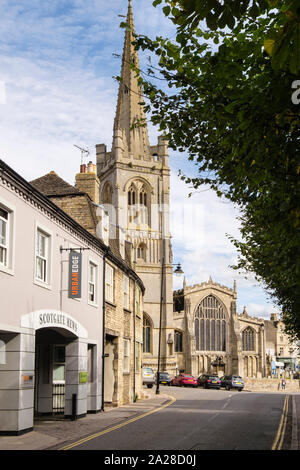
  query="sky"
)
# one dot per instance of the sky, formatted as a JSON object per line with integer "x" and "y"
{"x": 57, "y": 90}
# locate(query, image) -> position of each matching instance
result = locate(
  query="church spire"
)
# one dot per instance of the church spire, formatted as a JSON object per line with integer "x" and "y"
{"x": 129, "y": 110}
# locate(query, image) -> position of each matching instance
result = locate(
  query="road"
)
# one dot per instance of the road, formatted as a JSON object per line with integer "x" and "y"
{"x": 204, "y": 420}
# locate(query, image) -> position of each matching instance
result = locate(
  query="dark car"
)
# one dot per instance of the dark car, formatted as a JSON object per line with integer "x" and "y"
{"x": 164, "y": 378}
{"x": 233, "y": 382}
{"x": 209, "y": 381}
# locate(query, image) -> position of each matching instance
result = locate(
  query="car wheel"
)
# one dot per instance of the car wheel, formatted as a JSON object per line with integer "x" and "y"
{"x": 240, "y": 389}
{"x": 149, "y": 385}
{"x": 228, "y": 387}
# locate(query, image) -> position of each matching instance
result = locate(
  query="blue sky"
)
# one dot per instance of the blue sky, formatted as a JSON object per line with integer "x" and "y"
{"x": 57, "y": 90}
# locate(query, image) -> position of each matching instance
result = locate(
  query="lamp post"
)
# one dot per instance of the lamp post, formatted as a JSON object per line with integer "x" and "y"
{"x": 178, "y": 271}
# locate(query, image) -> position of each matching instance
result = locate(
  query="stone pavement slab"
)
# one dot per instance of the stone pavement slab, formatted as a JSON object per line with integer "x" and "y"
{"x": 54, "y": 434}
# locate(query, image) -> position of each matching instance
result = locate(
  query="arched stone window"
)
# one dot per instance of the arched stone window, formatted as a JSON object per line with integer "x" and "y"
{"x": 141, "y": 251}
{"x": 147, "y": 334}
{"x": 178, "y": 337}
{"x": 138, "y": 199}
{"x": 210, "y": 325}
{"x": 248, "y": 342}
{"x": 107, "y": 193}
{"x": 132, "y": 195}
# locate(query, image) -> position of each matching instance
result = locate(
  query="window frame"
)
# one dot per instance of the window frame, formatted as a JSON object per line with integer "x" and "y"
{"x": 126, "y": 356}
{"x": 92, "y": 263}
{"x": 111, "y": 286}
{"x": 6, "y": 206}
{"x": 49, "y": 249}
{"x": 126, "y": 292}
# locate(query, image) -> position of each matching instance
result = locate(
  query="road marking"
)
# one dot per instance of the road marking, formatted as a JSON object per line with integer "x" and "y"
{"x": 294, "y": 444}
{"x": 282, "y": 426}
{"x": 118, "y": 426}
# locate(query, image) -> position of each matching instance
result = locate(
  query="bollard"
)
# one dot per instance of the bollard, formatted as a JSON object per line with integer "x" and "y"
{"x": 74, "y": 407}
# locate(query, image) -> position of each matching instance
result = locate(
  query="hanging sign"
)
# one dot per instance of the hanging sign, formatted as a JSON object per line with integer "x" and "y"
{"x": 75, "y": 275}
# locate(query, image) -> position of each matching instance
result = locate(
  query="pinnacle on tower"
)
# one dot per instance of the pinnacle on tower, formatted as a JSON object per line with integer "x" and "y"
{"x": 129, "y": 108}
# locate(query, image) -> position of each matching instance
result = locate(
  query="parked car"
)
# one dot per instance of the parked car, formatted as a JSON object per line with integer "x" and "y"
{"x": 164, "y": 378}
{"x": 184, "y": 380}
{"x": 233, "y": 381}
{"x": 148, "y": 377}
{"x": 209, "y": 381}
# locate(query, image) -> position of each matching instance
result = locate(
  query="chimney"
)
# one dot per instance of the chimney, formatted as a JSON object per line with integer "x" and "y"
{"x": 88, "y": 182}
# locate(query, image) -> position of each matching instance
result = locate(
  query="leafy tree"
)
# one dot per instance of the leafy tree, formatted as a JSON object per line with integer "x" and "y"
{"x": 229, "y": 105}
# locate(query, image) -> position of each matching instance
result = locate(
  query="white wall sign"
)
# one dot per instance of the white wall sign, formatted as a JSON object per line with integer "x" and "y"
{"x": 53, "y": 318}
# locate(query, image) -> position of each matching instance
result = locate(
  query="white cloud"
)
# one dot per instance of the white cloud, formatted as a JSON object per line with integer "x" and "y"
{"x": 57, "y": 68}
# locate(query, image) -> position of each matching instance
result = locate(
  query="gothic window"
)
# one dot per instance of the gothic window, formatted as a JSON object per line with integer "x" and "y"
{"x": 131, "y": 195}
{"x": 248, "y": 339}
{"x": 197, "y": 333}
{"x": 138, "y": 204}
{"x": 178, "y": 341}
{"x": 141, "y": 251}
{"x": 147, "y": 334}
{"x": 107, "y": 193}
{"x": 210, "y": 325}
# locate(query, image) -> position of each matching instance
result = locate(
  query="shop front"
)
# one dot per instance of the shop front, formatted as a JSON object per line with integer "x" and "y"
{"x": 47, "y": 368}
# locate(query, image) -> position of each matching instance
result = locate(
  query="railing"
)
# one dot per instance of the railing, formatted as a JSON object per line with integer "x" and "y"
{"x": 58, "y": 398}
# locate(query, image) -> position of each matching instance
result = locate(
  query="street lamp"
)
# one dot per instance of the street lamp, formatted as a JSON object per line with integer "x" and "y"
{"x": 178, "y": 271}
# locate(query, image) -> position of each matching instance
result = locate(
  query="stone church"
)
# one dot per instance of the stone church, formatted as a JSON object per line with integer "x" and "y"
{"x": 199, "y": 326}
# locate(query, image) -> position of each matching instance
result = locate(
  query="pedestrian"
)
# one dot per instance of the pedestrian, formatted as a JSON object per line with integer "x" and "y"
{"x": 283, "y": 384}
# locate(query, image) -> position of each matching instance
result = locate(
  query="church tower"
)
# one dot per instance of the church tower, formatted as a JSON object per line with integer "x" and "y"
{"x": 135, "y": 189}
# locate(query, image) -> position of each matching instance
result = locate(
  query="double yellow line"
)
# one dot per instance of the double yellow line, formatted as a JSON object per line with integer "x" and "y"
{"x": 118, "y": 426}
{"x": 277, "y": 444}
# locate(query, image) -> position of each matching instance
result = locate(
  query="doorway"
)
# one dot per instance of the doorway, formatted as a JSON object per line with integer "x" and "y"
{"x": 50, "y": 371}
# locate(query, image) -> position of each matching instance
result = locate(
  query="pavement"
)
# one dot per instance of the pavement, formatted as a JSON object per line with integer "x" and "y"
{"x": 54, "y": 434}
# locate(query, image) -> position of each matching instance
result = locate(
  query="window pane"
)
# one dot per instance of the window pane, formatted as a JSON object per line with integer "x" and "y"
{"x": 3, "y": 234}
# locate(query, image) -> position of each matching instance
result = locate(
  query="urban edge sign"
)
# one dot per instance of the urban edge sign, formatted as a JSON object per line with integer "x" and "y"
{"x": 75, "y": 261}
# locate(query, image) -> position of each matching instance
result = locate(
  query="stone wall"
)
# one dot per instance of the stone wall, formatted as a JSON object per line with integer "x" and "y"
{"x": 271, "y": 385}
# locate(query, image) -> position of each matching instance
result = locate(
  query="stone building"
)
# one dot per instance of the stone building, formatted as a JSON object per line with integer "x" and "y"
{"x": 214, "y": 338}
{"x": 124, "y": 290}
{"x": 51, "y": 312}
{"x": 134, "y": 189}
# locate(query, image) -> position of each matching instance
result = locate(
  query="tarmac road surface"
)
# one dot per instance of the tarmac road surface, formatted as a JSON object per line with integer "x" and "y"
{"x": 204, "y": 420}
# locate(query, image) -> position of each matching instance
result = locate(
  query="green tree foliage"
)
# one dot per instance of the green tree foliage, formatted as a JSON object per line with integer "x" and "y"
{"x": 229, "y": 106}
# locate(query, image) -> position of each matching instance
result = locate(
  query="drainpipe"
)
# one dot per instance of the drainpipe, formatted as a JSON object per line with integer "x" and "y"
{"x": 103, "y": 333}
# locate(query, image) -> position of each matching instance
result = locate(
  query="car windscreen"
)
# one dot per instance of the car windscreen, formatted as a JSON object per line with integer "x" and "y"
{"x": 236, "y": 377}
{"x": 187, "y": 377}
{"x": 214, "y": 377}
{"x": 163, "y": 376}
{"x": 148, "y": 371}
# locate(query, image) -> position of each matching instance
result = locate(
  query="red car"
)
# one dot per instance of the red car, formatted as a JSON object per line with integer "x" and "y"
{"x": 184, "y": 380}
